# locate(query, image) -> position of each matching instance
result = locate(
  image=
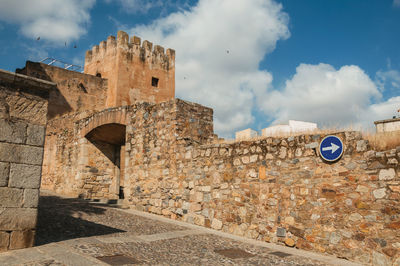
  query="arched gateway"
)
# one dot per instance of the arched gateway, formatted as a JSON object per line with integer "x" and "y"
{"x": 102, "y": 142}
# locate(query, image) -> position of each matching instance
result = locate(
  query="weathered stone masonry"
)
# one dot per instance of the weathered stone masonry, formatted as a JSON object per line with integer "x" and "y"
{"x": 159, "y": 154}
{"x": 23, "y": 110}
{"x": 86, "y": 162}
{"x": 275, "y": 190}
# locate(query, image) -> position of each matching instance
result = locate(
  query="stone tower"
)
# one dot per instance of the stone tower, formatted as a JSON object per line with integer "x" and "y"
{"x": 135, "y": 71}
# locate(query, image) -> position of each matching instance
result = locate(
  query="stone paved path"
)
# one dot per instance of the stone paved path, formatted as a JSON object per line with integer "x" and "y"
{"x": 75, "y": 232}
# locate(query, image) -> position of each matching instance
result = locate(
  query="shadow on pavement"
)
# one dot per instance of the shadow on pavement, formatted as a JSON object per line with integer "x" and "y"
{"x": 61, "y": 219}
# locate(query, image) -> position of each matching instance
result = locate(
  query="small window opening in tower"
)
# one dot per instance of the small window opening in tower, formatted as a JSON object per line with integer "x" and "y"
{"x": 154, "y": 82}
{"x": 98, "y": 75}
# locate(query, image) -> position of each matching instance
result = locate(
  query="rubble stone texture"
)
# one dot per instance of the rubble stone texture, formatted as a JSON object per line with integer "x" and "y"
{"x": 275, "y": 189}
{"x": 111, "y": 137}
{"x": 23, "y": 121}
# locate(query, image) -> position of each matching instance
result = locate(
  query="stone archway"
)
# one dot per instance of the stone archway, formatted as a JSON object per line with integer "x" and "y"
{"x": 101, "y": 166}
{"x": 105, "y": 175}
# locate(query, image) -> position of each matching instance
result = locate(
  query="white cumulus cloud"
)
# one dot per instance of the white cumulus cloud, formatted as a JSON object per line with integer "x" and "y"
{"x": 388, "y": 79}
{"x": 55, "y": 20}
{"x": 144, "y": 6}
{"x": 383, "y": 110}
{"x": 220, "y": 44}
{"x": 330, "y": 97}
{"x": 139, "y": 6}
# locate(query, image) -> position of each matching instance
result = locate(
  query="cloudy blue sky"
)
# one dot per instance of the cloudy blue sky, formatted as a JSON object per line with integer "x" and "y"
{"x": 256, "y": 62}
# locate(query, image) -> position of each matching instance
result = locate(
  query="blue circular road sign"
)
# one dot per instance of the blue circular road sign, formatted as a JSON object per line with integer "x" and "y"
{"x": 331, "y": 148}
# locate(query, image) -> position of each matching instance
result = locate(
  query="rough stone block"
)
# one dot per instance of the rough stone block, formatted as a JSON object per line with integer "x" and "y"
{"x": 21, "y": 154}
{"x": 194, "y": 207}
{"x": 379, "y": 259}
{"x": 17, "y": 218}
{"x": 4, "y": 241}
{"x": 4, "y": 173}
{"x": 379, "y": 193}
{"x": 13, "y": 132}
{"x": 35, "y": 135}
{"x": 31, "y": 198}
{"x": 25, "y": 176}
{"x": 290, "y": 242}
{"x": 335, "y": 238}
{"x": 197, "y": 197}
{"x": 280, "y": 232}
{"x": 216, "y": 224}
{"x": 22, "y": 239}
{"x": 312, "y": 145}
{"x": 362, "y": 145}
{"x": 11, "y": 197}
{"x": 387, "y": 174}
{"x": 199, "y": 220}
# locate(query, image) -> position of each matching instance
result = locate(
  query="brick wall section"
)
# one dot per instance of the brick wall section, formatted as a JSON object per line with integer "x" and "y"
{"x": 23, "y": 112}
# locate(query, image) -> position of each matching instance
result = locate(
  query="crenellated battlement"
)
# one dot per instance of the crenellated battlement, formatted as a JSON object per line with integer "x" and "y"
{"x": 136, "y": 70}
{"x": 134, "y": 48}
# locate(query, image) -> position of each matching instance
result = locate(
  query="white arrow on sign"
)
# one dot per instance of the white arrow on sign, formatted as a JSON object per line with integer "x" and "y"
{"x": 332, "y": 148}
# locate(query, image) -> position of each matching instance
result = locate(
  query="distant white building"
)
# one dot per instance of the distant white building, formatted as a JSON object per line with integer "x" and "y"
{"x": 246, "y": 134}
{"x": 293, "y": 127}
{"x": 387, "y": 125}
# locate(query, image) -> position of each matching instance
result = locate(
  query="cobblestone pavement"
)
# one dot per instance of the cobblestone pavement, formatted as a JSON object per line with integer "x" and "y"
{"x": 75, "y": 232}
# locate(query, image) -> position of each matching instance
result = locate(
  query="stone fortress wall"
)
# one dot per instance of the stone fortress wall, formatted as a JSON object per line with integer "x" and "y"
{"x": 274, "y": 189}
{"x": 158, "y": 154}
{"x": 23, "y": 110}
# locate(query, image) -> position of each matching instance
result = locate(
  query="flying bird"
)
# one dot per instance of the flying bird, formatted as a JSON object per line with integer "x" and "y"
{"x": 227, "y": 51}
{"x": 38, "y": 38}
{"x": 74, "y": 45}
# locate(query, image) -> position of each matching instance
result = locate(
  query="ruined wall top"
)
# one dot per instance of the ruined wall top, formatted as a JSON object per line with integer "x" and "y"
{"x": 20, "y": 80}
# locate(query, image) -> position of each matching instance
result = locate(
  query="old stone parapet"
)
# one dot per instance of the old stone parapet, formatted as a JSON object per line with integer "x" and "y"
{"x": 133, "y": 47}
{"x": 22, "y": 131}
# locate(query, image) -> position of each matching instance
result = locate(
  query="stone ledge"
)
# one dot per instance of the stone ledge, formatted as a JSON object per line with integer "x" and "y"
{"x": 19, "y": 79}
{"x": 387, "y": 121}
